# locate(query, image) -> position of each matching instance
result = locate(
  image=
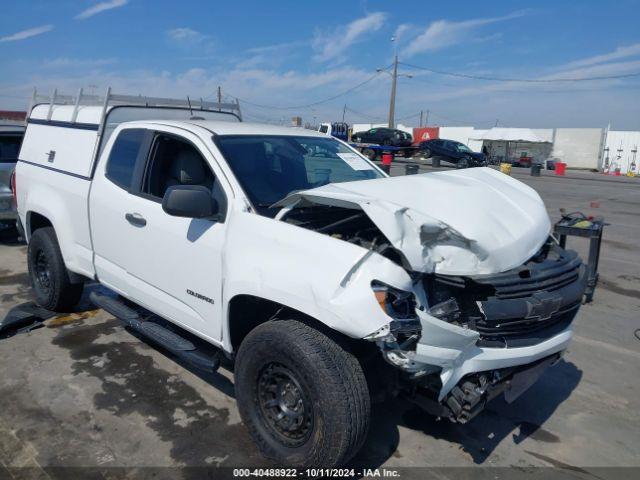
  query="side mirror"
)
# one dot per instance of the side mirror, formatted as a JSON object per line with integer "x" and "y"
{"x": 190, "y": 201}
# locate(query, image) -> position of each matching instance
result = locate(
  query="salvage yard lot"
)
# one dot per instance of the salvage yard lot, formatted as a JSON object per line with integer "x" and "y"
{"x": 82, "y": 391}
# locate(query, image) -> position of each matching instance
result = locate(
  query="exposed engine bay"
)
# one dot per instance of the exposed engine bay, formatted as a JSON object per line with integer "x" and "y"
{"x": 351, "y": 225}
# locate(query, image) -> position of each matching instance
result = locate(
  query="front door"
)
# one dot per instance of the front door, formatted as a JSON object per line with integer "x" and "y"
{"x": 173, "y": 265}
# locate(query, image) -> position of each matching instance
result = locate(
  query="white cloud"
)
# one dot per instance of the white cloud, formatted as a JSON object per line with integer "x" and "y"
{"x": 617, "y": 54}
{"x": 270, "y": 55}
{"x": 65, "y": 62}
{"x": 444, "y": 33}
{"x": 100, "y": 7}
{"x": 30, "y": 32}
{"x": 402, "y": 30}
{"x": 331, "y": 44}
{"x": 185, "y": 34}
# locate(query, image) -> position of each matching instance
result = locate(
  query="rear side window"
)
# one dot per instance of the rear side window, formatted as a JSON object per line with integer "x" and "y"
{"x": 9, "y": 148}
{"x": 122, "y": 159}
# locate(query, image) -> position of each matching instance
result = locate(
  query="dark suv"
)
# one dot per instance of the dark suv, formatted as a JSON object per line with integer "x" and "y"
{"x": 453, "y": 152}
{"x": 384, "y": 136}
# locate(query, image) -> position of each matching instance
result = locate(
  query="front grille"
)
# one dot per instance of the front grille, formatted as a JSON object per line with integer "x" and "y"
{"x": 519, "y": 326}
{"x": 540, "y": 296}
{"x": 548, "y": 275}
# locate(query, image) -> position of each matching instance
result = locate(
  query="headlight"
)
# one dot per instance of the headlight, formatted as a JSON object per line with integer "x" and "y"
{"x": 398, "y": 304}
{"x": 404, "y": 328}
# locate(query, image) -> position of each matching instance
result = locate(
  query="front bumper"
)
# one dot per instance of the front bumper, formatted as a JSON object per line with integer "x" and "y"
{"x": 456, "y": 363}
{"x": 470, "y": 396}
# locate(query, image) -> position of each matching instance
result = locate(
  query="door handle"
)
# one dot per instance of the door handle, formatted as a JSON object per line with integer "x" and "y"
{"x": 135, "y": 219}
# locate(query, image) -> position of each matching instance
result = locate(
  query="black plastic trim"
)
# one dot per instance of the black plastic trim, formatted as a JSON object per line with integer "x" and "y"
{"x": 64, "y": 172}
{"x": 62, "y": 124}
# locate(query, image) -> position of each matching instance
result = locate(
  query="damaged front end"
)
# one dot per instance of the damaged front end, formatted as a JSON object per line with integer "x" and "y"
{"x": 492, "y": 295}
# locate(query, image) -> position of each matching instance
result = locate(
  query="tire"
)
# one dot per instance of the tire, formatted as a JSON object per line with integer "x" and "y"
{"x": 356, "y": 139}
{"x": 426, "y": 153}
{"x": 49, "y": 277}
{"x": 464, "y": 162}
{"x": 370, "y": 153}
{"x": 328, "y": 387}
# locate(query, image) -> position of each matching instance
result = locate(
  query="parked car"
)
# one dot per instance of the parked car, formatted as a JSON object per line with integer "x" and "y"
{"x": 297, "y": 258}
{"x": 10, "y": 140}
{"x": 384, "y": 136}
{"x": 452, "y": 152}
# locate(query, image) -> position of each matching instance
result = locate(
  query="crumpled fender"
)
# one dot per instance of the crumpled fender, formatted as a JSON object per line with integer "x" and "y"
{"x": 320, "y": 276}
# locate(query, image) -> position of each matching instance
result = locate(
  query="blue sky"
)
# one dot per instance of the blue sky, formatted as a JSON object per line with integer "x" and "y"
{"x": 294, "y": 53}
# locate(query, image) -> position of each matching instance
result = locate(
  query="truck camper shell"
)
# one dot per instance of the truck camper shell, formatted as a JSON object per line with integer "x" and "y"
{"x": 85, "y": 122}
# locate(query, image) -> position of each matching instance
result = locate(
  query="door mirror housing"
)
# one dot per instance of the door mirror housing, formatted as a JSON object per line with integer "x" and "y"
{"x": 190, "y": 201}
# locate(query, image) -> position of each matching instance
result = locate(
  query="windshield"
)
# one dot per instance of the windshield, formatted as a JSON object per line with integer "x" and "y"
{"x": 271, "y": 167}
{"x": 463, "y": 148}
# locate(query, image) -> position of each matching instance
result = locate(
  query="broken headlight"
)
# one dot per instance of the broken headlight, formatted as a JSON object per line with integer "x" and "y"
{"x": 404, "y": 328}
{"x": 397, "y": 304}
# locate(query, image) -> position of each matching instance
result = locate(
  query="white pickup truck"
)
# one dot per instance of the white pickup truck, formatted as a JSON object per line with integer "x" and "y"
{"x": 286, "y": 250}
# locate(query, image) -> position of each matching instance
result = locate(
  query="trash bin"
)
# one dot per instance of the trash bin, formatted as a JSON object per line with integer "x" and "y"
{"x": 505, "y": 168}
{"x": 387, "y": 159}
{"x": 435, "y": 162}
{"x": 535, "y": 170}
{"x": 560, "y": 167}
{"x": 411, "y": 169}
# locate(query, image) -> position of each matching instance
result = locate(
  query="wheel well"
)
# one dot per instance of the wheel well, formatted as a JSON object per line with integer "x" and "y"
{"x": 36, "y": 221}
{"x": 246, "y": 312}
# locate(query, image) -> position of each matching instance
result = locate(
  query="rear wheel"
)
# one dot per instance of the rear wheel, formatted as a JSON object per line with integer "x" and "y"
{"x": 370, "y": 153}
{"x": 426, "y": 153}
{"x": 303, "y": 398}
{"x": 49, "y": 277}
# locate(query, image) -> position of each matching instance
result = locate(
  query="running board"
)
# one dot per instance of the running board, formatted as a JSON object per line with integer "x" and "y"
{"x": 172, "y": 341}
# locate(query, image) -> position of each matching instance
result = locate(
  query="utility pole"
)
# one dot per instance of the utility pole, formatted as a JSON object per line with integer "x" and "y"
{"x": 392, "y": 102}
{"x": 219, "y": 96}
{"x": 394, "y": 81}
{"x": 344, "y": 110}
{"x": 421, "y": 112}
{"x": 426, "y": 120}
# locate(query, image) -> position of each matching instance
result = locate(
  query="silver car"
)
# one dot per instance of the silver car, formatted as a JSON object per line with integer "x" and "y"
{"x": 10, "y": 139}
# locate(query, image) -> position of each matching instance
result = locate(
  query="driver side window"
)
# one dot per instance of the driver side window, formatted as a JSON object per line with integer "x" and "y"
{"x": 174, "y": 161}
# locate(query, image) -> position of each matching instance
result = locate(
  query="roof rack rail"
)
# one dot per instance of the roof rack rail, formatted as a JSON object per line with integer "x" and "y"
{"x": 113, "y": 99}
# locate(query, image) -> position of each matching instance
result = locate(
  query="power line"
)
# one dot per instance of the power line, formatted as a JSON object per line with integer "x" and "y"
{"x": 365, "y": 115}
{"x": 525, "y": 80}
{"x": 297, "y": 107}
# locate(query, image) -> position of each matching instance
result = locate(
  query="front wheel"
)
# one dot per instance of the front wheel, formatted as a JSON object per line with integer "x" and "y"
{"x": 303, "y": 398}
{"x": 49, "y": 277}
{"x": 464, "y": 162}
{"x": 426, "y": 153}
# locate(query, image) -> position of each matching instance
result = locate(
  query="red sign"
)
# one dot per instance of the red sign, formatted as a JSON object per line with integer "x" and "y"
{"x": 420, "y": 134}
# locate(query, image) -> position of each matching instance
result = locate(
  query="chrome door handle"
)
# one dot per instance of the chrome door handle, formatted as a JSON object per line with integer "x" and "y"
{"x": 135, "y": 219}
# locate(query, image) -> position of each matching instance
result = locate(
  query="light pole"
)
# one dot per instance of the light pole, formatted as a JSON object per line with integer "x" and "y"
{"x": 394, "y": 81}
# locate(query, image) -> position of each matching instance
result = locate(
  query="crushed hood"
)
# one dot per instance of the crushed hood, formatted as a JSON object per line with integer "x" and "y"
{"x": 464, "y": 222}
